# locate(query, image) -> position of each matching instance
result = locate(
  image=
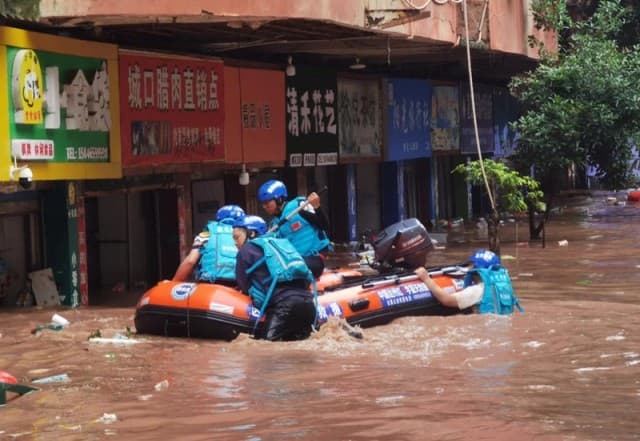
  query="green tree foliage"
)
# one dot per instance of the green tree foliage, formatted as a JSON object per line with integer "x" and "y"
{"x": 24, "y": 9}
{"x": 510, "y": 191}
{"x": 583, "y": 107}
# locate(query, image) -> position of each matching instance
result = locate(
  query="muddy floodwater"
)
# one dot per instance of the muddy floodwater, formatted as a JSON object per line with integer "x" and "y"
{"x": 566, "y": 369}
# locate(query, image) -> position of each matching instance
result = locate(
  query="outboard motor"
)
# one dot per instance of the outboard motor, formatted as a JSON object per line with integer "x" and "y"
{"x": 405, "y": 244}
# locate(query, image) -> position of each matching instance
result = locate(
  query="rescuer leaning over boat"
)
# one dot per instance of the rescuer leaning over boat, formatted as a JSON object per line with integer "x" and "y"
{"x": 487, "y": 286}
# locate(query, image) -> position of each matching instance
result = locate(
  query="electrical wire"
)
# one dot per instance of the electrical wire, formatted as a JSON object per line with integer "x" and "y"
{"x": 473, "y": 106}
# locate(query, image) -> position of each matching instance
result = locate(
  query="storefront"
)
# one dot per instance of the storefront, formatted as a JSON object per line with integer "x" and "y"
{"x": 408, "y": 134}
{"x": 61, "y": 129}
{"x": 477, "y": 205}
{"x": 449, "y": 191}
{"x": 360, "y": 133}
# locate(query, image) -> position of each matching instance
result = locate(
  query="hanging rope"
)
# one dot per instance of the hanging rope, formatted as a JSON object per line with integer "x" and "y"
{"x": 473, "y": 108}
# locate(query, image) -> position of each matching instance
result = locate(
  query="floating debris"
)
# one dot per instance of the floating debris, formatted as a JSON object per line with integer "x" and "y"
{"x": 163, "y": 385}
{"x": 62, "y": 378}
{"x": 107, "y": 418}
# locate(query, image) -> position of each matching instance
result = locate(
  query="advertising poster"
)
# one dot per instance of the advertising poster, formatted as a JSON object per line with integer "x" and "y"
{"x": 359, "y": 119}
{"x": 506, "y": 109}
{"x": 445, "y": 118}
{"x": 172, "y": 109}
{"x": 484, "y": 116}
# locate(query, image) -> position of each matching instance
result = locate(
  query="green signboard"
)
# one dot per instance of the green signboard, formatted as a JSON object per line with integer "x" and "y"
{"x": 59, "y": 107}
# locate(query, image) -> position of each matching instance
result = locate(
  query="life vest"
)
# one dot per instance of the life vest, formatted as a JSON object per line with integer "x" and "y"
{"x": 306, "y": 238}
{"x": 284, "y": 264}
{"x": 498, "y": 296}
{"x": 218, "y": 257}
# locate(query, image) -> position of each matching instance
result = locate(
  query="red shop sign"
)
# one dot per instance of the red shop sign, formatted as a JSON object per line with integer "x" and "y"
{"x": 172, "y": 109}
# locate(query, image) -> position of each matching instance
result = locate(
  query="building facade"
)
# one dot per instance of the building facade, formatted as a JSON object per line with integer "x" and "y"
{"x": 143, "y": 122}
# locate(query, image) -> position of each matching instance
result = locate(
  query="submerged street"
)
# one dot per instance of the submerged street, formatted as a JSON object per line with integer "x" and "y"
{"x": 566, "y": 369}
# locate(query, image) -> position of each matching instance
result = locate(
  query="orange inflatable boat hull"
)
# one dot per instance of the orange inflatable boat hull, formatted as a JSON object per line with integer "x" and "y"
{"x": 220, "y": 312}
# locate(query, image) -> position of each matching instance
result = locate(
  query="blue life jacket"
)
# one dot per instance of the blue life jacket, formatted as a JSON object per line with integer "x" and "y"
{"x": 284, "y": 264}
{"x": 498, "y": 296}
{"x": 218, "y": 257}
{"x": 306, "y": 238}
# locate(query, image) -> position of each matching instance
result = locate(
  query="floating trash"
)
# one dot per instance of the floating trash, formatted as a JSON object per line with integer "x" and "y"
{"x": 107, "y": 418}
{"x": 115, "y": 341}
{"x": 59, "y": 320}
{"x": 163, "y": 385}
{"x": 62, "y": 378}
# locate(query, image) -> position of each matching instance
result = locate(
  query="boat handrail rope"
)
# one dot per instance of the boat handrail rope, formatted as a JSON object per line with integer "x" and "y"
{"x": 449, "y": 270}
{"x": 404, "y": 275}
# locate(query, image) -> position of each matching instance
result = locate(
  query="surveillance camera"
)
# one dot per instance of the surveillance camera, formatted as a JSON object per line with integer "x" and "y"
{"x": 25, "y": 177}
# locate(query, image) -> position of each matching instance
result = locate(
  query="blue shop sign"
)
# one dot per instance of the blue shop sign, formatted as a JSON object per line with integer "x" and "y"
{"x": 408, "y": 119}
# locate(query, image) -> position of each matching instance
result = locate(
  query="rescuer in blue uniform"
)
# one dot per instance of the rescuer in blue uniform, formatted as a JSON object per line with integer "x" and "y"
{"x": 487, "y": 286}
{"x": 277, "y": 282}
{"x": 213, "y": 253}
{"x": 306, "y": 230}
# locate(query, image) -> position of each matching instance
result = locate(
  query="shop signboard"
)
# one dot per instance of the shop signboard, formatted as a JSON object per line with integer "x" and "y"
{"x": 445, "y": 118}
{"x": 60, "y": 103}
{"x": 311, "y": 98}
{"x": 172, "y": 109}
{"x": 359, "y": 119}
{"x": 506, "y": 109}
{"x": 408, "y": 119}
{"x": 262, "y": 115}
{"x": 483, "y": 97}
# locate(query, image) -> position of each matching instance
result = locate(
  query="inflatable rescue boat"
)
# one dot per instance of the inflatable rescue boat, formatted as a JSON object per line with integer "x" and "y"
{"x": 221, "y": 312}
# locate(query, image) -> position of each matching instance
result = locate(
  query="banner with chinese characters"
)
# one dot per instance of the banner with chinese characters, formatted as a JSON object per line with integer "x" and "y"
{"x": 172, "y": 109}
{"x": 408, "y": 119}
{"x": 506, "y": 109}
{"x": 483, "y": 98}
{"x": 311, "y": 117}
{"x": 359, "y": 119}
{"x": 73, "y": 296}
{"x": 60, "y": 106}
{"x": 445, "y": 119}
{"x": 262, "y": 115}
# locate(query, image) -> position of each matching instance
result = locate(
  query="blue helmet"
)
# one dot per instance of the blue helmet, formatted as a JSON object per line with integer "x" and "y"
{"x": 484, "y": 259}
{"x": 228, "y": 213}
{"x": 251, "y": 223}
{"x": 272, "y": 189}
